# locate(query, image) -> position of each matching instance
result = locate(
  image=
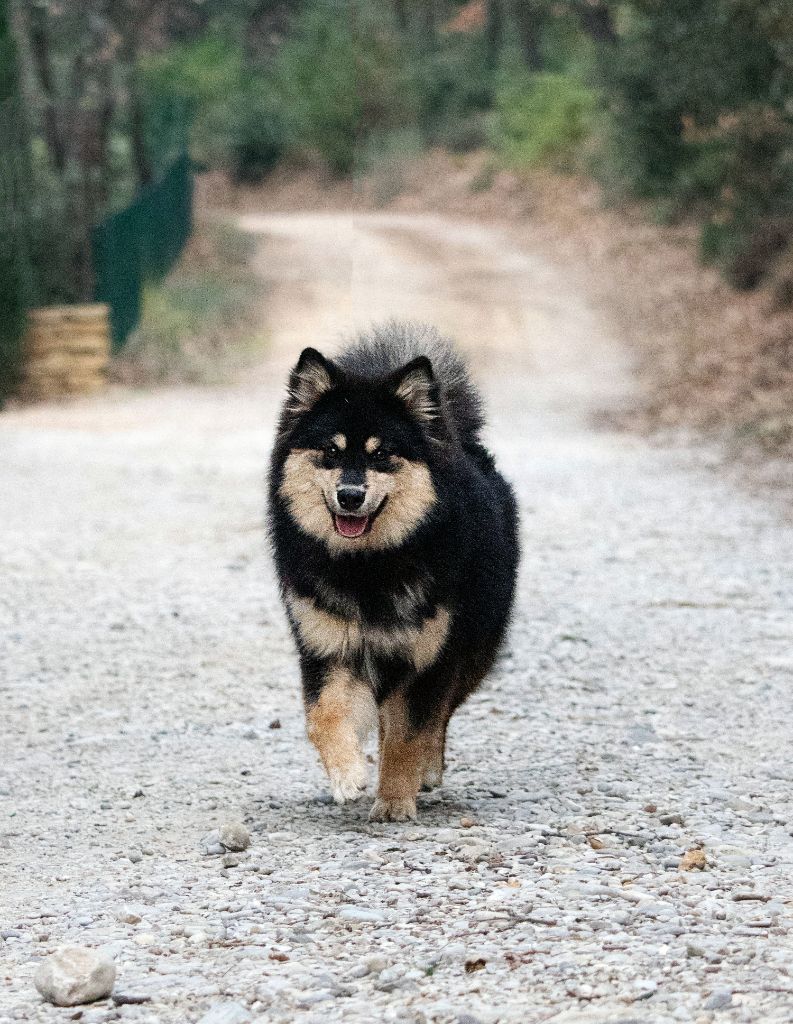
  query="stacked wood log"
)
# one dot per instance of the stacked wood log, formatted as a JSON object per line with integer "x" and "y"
{"x": 66, "y": 351}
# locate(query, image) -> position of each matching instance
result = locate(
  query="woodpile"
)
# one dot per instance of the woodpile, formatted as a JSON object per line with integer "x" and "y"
{"x": 66, "y": 351}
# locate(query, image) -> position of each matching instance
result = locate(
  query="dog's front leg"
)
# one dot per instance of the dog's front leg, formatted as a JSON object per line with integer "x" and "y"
{"x": 339, "y": 714}
{"x": 403, "y": 760}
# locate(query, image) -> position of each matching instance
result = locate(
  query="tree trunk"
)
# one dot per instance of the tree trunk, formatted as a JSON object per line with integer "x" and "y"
{"x": 528, "y": 21}
{"x": 40, "y": 50}
{"x": 401, "y": 15}
{"x": 137, "y": 122}
{"x": 16, "y": 273}
{"x": 596, "y": 21}
{"x": 494, "y": 32}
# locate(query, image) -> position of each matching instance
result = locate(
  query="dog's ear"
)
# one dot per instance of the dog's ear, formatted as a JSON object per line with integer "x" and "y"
{"x": 313, "y": 376}
{"x": 415, "y": 385}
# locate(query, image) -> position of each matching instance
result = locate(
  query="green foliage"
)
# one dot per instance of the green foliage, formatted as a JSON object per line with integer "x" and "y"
{"x": 340, "y": 76}
{"x": 198, "y": 325}
{"x": 234, "y": 114}
{"x": 386, "y": 160}
{"x": 454, "y": 88}
{"x": 541, "y": 119}
{"x": 15, "y": 269}
{"x": 699, "y": 122}
{"x": 206, "y": 75}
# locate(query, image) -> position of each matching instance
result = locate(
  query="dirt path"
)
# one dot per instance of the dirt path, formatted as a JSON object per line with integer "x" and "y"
{"x": 148, "y": 693}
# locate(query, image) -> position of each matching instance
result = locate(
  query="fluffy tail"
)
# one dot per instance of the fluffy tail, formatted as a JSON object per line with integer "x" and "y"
{"x": 377, "y": 353}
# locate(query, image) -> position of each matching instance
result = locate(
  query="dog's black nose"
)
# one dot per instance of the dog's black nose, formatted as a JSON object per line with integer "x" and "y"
{"x": 350, "y": 498}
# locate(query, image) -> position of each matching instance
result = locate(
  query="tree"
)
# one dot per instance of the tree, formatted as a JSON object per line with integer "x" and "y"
{"x": 15, "y": 270}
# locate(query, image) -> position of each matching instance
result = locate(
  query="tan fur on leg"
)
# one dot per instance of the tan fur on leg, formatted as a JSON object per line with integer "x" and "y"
{"x": 403, "y": 755}
{"x": 434, "y": 763}
{"x": 338, "y": 724}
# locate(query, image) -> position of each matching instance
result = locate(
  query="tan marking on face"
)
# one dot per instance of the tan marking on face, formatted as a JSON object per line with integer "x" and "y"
{"x": 325, "y": 634}
{"x": 372, "y": 444}
{"x": 411, "y": 496}
{"x": 305, "y": 487}
{"x": 309, "y": 490}
{"x": 338, "y": 724}
{"x": 340, "y": 441}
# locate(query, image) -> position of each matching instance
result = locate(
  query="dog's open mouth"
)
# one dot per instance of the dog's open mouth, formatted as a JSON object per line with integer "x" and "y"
{"x": 351, "y": 526}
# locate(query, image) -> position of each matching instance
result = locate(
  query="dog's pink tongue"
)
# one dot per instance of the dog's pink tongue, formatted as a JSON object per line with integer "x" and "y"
{"x": 351, "y": 526}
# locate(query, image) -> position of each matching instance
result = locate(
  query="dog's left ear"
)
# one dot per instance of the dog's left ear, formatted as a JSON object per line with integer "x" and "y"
{"x": 415, "y": 385}
{"x": 313, "y": 376}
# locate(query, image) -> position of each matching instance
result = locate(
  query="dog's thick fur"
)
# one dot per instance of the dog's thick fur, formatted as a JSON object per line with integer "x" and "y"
{"x": 395, "y": 542}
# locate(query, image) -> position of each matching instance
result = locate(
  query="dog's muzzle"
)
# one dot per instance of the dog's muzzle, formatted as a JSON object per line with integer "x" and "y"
{"x": 350, "y": 499}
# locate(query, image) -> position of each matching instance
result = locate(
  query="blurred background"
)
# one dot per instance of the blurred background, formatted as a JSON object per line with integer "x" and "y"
{"x": 649, "y": 141}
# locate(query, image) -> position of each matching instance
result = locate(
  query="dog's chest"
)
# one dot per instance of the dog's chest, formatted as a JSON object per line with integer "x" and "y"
{"x": 332, "y": 625}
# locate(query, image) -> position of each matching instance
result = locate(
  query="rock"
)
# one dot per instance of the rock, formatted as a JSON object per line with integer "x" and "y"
{"x": 130, "y": 998}
{"x": 128, "y": 916}
{"x": 349, "y": 913}
{"x": 211, "y": 845}
{"x": 74, "y": 975}
{"x": 234, "y": 836}
{"x": 134, "y": 856}
{"x": 719, "y": 999}
{"x": 693, "y": 860}
{"x": 226, "y": 1013}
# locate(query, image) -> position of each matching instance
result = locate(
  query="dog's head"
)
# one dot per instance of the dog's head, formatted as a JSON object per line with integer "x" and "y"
{"x": 354, "y": 455}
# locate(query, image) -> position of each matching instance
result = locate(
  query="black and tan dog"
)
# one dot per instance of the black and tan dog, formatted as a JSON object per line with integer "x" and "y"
{"x": 395, "y": 543}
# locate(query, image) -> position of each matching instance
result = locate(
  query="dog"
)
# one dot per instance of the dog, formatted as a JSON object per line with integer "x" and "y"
{"x": 395, "y": 542}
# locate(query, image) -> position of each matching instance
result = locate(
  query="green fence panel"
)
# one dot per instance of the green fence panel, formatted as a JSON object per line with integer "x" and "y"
{"x": 117, "y": 271}
{"x": 141, "y": 243}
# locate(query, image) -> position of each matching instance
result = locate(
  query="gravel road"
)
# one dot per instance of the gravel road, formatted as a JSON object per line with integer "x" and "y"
{"x": 149, "y": 694}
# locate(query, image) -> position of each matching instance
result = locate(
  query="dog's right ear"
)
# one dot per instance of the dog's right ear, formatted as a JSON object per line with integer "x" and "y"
{"x": 313, "y": 376}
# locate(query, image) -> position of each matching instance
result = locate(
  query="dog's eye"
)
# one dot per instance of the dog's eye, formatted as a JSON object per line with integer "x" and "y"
{"x": 381, "y": 455}
{"x": 330, "y": 450}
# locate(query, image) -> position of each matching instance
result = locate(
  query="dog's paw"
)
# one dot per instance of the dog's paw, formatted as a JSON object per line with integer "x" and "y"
{"x": 348, "y": 784}
{"x": 402, "y": 809}
{"x": 433, "y": 777}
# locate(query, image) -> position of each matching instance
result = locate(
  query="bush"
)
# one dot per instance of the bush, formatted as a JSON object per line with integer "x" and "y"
{"x": 541, "y": 119}
{"x": 233, "y": 115}
{"x": 207, "y": 76}
{"x": 199, "y": 325}
{"x": 453, "y": 84}
{"x": 259, "y": 132}
{"x": 386, "y": 160}
{"x": 698, "y": 121}
{"x": 339, "y": 77}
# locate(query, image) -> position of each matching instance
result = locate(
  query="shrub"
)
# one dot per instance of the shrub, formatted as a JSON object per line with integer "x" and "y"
{"x": 208, "y": 76}
{"x": 541, "y": 119}
{"x": 340, "y": 76}
{"x": 699, "y": 122}
{"x": 453, "y": 84}
{"x": 386, "y": 160}
{"x": 199, "y": 325}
